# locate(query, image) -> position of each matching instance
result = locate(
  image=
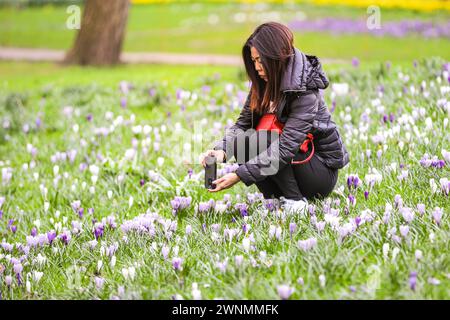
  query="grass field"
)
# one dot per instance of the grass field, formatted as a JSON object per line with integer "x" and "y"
{"x": 186, "y": 28}
{"x": 95, "y": 164}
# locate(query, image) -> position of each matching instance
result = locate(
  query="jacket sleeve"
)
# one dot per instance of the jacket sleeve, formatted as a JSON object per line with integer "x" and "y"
{"x": 303, "y": 110}
{"x": 243, "y": 123}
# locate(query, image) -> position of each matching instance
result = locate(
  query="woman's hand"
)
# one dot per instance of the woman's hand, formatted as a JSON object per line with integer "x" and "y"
{"x": 219, "y": 154}
{"x": 225, "y": 182}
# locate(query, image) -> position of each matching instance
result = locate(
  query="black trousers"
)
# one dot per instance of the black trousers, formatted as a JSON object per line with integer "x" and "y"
{"x": 310, "y": 180}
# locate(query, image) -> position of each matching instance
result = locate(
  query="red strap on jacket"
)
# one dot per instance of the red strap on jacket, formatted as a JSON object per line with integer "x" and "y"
{"x": 304, "y": 148}
{"x": 270, "y": 122}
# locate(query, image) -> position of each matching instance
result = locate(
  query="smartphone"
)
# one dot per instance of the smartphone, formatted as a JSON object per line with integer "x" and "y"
{"x": 210, "y": 171}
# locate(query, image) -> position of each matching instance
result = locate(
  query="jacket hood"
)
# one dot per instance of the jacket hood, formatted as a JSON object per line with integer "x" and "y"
{"x": 303, "y": 72}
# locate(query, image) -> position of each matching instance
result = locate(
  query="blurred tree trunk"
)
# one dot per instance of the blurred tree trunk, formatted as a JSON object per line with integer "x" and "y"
{"x": 99, "y": 40}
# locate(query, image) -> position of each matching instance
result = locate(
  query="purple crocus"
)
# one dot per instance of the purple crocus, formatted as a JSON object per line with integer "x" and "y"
{"x": 413, "y": 280}
{"x": 312, "y": 209}
{"x": 65, "y": 237}
{"x": 51, "y": 235}
{"x": 398, "y": 201}
{"x": 8, "y": 281}
{"x": 437, "y": 215}
{"x": 388, "y": 65}
{"x": 203, "y": 207}
{"x": 292, "y": 228}
{"x": 355, "y": 62}
{"x": 17, "y": 270}
{"x": 123, "y": 102}
{"x": 404, "y": 230}
{"x": 33, "y": 232}
{"x": 352, "y": 199}
{"x": 307, "y": 244}
{"x": 269, "y": 204}
{"x": 357, "y": 221}
{"x": 180, "y": 203}
{"x": 366, "y": 194}
{"x": 176, "y": 263}
{"x": 141, "y": 182}
{"x": 242, "y": 207}
{"x": 98, "y": 230}
{"x": 353, "y": 181}
{"x": 285, "y": 291}
{"x": 421, "y": 208}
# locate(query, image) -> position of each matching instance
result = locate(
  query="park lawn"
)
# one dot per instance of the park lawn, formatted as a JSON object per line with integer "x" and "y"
{"x": 23, "y": 76}
{"x": 365, "y": 264}
{"x": 185, "y": 28}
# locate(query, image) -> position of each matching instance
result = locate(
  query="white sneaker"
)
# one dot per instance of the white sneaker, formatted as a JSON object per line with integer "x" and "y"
{"x": 295, "y": 206}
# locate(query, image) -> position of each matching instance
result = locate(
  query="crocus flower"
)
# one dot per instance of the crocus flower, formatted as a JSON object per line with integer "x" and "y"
{"x": 421, "y": 208}
{"x": 285, "y": 291}
{"x": 180, "y": 203}
{"x": 8, "y": 281}
{"x": 413, "y": 280}
{"x": 238, "y": 260}
{"x": 270, "y": 205}
{"x": 351, "y": 199}
{"x": 123, "y": 102}
{"x": 165, "y": 252}
{"x": 322, "y": 280}
{"x": 307, "y": 244}
{"x": 176, "y": 263}
{"x": 407, "y": 214}
{"x": 17, "y": 270}
{"x": 437, "y": 215}
{"x": 196, "y": 293}
{"x": 222, "y": 265}
{"x": 80, "y": 212}
{"x": 65, "y": 237}
{"x": 418, "y": 254}
{"x": 99, "y": 282}
{"x": 353, "y": 181}
{"x": 51, "y": 235}
{"x": 292, "y": 228}
{"x": 445, "y": 186}
{"x": 98, "y": 230}
{"x": 404, "y": 231}
{"x": 398, "y": 201}
{"x": 312, "y": 209}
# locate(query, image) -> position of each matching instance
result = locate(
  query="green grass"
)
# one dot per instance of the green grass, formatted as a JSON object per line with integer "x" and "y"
{"x": 23, "y": 76}
{"x": 185, "y": 28}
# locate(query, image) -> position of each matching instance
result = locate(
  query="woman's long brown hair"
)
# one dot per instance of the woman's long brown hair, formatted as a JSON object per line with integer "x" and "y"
{"x": 275, "y": 44}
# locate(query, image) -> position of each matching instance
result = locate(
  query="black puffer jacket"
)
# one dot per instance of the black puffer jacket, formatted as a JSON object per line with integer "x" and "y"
{"x": 302, "y": 110}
